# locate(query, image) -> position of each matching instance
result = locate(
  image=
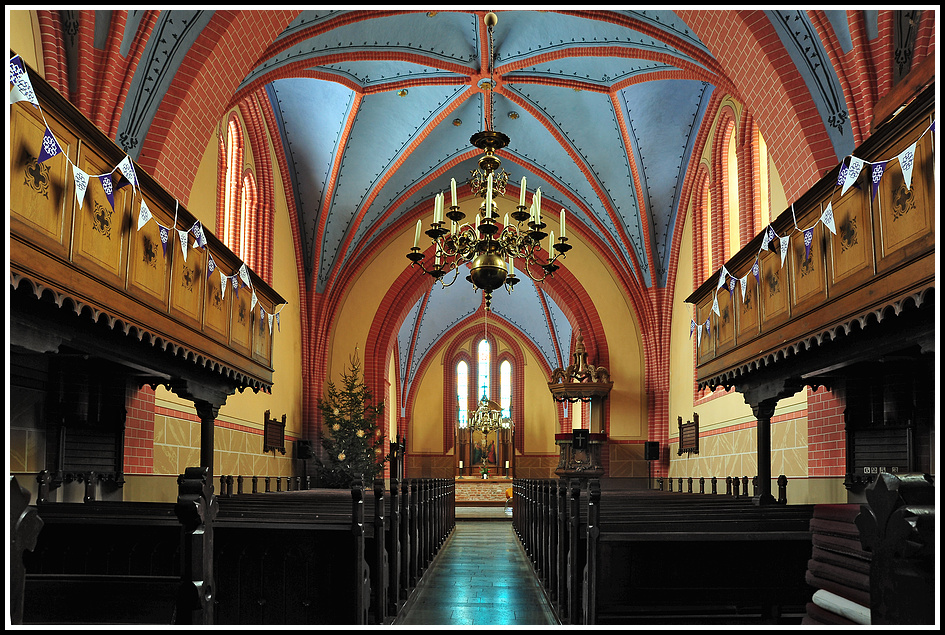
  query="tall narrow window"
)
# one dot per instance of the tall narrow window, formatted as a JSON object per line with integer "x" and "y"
{"x": 505, "y": 388}
{"x": 462, "y": 392}
{"x": 732, "y": 207}
{"x": 482, "y": 388}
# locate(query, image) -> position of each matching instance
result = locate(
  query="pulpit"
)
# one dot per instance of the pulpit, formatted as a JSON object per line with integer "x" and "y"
{"x": 580, "y": 450}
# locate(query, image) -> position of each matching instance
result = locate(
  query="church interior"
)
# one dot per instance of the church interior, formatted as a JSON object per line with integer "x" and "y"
{"x": 661, "y": 283}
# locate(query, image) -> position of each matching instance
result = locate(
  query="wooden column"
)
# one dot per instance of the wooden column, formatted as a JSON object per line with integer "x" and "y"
{"x": 763, "y": 412}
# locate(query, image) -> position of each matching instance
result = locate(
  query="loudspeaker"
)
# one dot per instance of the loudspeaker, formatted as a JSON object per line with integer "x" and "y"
{"x": 579, "y": 439}
{"x": 651, "y": 450}
{"x": 303, "y": 449}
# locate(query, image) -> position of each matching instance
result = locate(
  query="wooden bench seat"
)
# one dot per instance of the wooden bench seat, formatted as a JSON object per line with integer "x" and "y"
{"x": 648, "y": 557}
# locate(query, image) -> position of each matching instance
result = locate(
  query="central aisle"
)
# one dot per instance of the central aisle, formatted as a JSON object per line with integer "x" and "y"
{"x": 480, "y": 577}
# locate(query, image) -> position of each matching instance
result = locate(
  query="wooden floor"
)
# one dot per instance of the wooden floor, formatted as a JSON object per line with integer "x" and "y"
{"x": 480, "y": 577}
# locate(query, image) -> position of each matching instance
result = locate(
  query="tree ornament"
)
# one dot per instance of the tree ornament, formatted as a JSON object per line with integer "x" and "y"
{"x": 336, "y": 427}
{"x": 360, "y": 434}
{"x": 341, "y": 457}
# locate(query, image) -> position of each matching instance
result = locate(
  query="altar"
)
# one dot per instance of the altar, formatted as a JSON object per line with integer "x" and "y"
{"x": 482, "y": 492}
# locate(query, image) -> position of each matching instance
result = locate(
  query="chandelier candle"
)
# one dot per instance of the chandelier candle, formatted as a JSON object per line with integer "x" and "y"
{"x": 416, "y": 238}
{"x": 521, "y": 195}
{"x": 453, "y": 191}
{"x": 562, "y": 222}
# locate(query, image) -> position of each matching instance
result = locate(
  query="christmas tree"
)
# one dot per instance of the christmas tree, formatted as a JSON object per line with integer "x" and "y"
{"x": 353, "y": 442}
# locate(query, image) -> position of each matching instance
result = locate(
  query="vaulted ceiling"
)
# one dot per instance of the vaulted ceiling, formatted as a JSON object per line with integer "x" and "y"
{"x": 375, "y": 109}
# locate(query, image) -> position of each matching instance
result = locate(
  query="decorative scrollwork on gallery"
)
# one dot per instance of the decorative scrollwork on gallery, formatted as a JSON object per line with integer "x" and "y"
{"x": 774, "y": 284}
{"x": 903, "y": 202}
{"x": 848, "y": 234}
{"x": 37, "y": 177}
{"x": 102, "y": 220}
{"x": 189, "y": 277}
{"x": 149, "y": 253}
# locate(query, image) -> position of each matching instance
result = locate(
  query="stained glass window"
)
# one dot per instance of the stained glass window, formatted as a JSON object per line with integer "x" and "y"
{"x": 505, "y": 388}
{"x": 482, "y": 388}
{"x": 462, "y": 389}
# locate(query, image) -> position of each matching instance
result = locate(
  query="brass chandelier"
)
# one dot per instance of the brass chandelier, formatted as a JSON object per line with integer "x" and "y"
{"x": 486, "y": 417}
{"x": 490, "y": 248}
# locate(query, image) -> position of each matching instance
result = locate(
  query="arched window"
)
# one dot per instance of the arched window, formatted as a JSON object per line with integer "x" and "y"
{"x": 462, "y": 392}
{"x": 244, "y": 223}
{"x": 505, "y": 388}
{"x": 731, "y": 195}
{"x": 482, "y": 388}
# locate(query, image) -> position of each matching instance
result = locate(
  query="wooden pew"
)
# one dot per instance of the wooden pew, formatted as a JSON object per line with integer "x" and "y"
{"x": 643, "y": 556}
{"x": 104, "y": 563}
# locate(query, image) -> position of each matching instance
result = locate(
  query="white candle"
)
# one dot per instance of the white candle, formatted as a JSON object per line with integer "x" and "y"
{"x": 521, "y": 194}
{"x": 511, "y": 266}
{"x": 438, "y": 258}
{"x": 562, "y": 222}
{"x": 453, "y": 228}
{"x": 477, "y": 225}
{"x": 460, "y": 465}
{"x": 537, "y": 206}
{"x": 551, "y": 241}
{"x": 531, "y": 212}
{"x": 506, "y": 223}
{"x": 416, "y": 237}
{"x": 489, "y": 196}
{"x": 453, "y": 191}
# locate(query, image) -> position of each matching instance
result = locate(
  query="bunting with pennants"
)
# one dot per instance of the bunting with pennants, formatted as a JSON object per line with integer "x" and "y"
{"x": 850, "y": 170}
{"x": 22, "y": 90}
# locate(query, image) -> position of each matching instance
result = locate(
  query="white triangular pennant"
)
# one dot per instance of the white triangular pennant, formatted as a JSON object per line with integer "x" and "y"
{"x": 244, "y": 274}
{"x": 22, "y": 88}
{"x": 252, "y": 304}
{"x": 144, "y": 216}
{"x": 715, "y": 306}
{"x": 699, "y": 336}
{"x": 81, "y": 183}
{"x": 270, "y": 324}
{"x": 853, "y": 173}
{"x": 182, "y": 234}
{"x": 222, "y": 285}
{"x": 744, "y": 281}
{"x": 906, "y": 161}
{"x": 722, "y": 277}
{"x": 827, "y": 218}
{"x": 785, "y": 243}
{"x": 128, "y": 170}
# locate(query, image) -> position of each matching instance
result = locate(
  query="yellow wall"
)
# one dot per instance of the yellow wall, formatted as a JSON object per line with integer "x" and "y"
{"x": 24, "y": 39}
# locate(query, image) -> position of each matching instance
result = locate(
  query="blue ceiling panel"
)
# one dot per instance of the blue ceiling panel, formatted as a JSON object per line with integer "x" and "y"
{"x": 311, "y": 116}
{"x": 370, "y": 153}
{"x": 662, "y": 140}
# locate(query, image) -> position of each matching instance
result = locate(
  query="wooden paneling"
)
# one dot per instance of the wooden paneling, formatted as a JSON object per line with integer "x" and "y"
{"x": 99, "y": 258}
{"x": 906, "y": 216}
{"x": 807, "y": 267}
{"x": 40, "y": 194}
{"x": 883, "y": 251}
{"x": 850, "y": 251}
{"x": 188, "y": 282}
{"x": 774, "y": 287}
{"x": 148, "y": 267}
{"x": 100, "y": 231}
